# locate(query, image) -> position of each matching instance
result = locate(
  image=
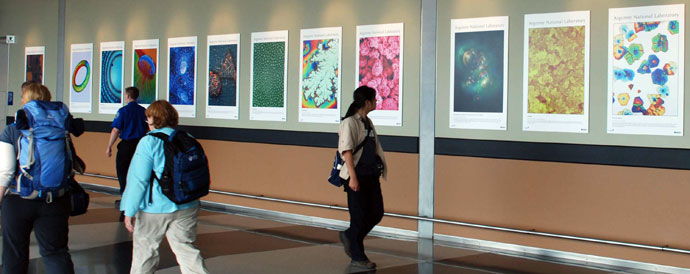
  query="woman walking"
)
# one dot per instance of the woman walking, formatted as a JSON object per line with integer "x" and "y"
{"x": 46, "y": 216}
{"x": 365, "y": 163}
{"x": 156, "y": 215}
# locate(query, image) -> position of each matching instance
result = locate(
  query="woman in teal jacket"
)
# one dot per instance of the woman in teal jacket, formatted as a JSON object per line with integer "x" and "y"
{"x": 150, "y": 221}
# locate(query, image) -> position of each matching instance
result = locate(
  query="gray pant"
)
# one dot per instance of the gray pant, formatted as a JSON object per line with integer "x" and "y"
{"x": 179, "y": 228}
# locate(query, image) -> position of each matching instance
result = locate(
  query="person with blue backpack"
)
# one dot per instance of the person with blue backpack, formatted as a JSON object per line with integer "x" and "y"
{"x": 359, "y": 146}
{"x": 35, "y": 175}
{"x": 167, "y": 176}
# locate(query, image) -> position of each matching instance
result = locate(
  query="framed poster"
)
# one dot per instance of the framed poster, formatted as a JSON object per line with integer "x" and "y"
{"x": 33, "y": 64}
{"x": 111, "y": 84}
{"x": 479, "y": 73}
{"x": 182, "y": 75}
{"x": 379, "y": 60}
{"x": 81, "y": 74}
{"x": 222, "y": 76}
{"x": 268, "y": 90}
{"x": 646, "y": 69}
{"x": 556, "y": 72}
{"x": 320, "y": 69}
{"x": 145, "y": 70}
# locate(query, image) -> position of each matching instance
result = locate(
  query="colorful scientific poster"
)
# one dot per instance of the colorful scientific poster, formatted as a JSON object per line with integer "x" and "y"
{"x": 646, "y": 69}
{"x": 145, "y": 70}
{"x": 222, "y": 76}
{"x": 269, "y": 76}
{"x": 319, "y": 96}
{"x": 80, "y": 80}
{"x": 380, "y": 66}
{"x": 33, "y": 64}
{"x": 112, "y": 77}
{"x": 182, "y": 75}
{"x": 556, "y": 72}
{"x": 479, "y": 73}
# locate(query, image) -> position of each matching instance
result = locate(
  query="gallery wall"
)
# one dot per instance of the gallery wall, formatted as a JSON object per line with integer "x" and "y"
{"x": 582, "y": 197}
{"x": 104, "y": 21}
{"x": 567, "y": 183}
{"x": 34, "y": 23}
{"x": 240, "y": 166}
{"x": 599, "y": 96}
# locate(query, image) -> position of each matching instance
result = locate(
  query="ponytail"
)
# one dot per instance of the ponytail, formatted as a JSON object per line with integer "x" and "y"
{"x": 361, "y": 96}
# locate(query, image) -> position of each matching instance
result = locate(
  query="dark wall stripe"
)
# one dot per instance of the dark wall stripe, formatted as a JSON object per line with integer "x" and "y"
{"x": 569, "y": 153}
{"x": 670, "y": 158}
{"x": 278, "y": 137}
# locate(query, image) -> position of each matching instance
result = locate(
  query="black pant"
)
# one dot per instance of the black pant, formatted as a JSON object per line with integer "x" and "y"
{"x": 366, "y": 210}
{"x": 49, "y": 222}
{"x": 125, "y": 152}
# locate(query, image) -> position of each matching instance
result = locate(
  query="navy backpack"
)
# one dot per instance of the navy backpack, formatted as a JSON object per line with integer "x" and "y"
{"x": 186, "y": 176}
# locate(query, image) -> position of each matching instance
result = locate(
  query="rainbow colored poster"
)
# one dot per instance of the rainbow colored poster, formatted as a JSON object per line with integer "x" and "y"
{"x": 645, "y": 70}
{"x": 112, "y": 77}
{"x": 479, "y": 73}
{"x": 145, "y": 70}
{"x": 81, "y": 80}
{"x": 33, "y": 64}
{"x": 222, "y": 76}
{"x": 182, "y": 67}
{"x": 319, "y": 96}
{"x": 556, "y": 72}
{"x": 268, "y": 79}
{"x": 379, "y": 60}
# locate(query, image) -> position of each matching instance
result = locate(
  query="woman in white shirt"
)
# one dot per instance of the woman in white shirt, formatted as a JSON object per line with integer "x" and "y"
{"x": 365, "y": 163}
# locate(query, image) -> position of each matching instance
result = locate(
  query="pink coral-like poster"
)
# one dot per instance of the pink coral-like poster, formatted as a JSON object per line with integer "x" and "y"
{"x": 380, "y": 66}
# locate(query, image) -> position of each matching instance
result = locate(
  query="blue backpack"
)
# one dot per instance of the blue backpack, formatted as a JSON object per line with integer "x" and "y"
{"x": 186, "y": 176}
{"x": 44, "y": 155}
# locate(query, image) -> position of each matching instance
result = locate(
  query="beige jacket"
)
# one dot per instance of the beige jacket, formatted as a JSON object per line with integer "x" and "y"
{"x": 350, "y": 135}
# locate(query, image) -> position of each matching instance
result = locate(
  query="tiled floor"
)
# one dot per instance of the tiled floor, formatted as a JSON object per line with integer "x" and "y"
{"x": 237, "y": 244}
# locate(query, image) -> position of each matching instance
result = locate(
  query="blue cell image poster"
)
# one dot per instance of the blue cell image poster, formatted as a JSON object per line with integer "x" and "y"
{"x": 182, "y": 76}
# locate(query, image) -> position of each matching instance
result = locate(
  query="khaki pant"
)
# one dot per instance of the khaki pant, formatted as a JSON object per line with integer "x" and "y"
{"x": 179, "y": 228}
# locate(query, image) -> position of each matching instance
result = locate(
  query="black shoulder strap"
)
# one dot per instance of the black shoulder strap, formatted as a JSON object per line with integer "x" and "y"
{"x": 159, "y": 135}
{"x": 365, "y": 137}
{"x": 164, "y": 137}
{"x": 360, "y": 145}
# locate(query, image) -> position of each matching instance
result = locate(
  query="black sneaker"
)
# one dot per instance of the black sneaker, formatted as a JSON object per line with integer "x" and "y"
{"x": 346, "y": 243}
{"x": 369, "y": 265}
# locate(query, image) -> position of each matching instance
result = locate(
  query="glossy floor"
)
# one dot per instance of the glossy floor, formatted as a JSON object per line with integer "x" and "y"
{"x": 237, "y": 244}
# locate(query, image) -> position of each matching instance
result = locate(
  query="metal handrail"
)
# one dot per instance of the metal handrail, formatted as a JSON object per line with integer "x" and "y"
{"x": 442, "y": 221}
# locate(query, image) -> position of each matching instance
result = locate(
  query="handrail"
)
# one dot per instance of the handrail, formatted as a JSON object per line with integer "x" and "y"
{"x": 442, "y": 221}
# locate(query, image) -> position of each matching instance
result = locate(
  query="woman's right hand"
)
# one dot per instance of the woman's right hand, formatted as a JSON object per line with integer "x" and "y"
{"x": 354, "y": 184}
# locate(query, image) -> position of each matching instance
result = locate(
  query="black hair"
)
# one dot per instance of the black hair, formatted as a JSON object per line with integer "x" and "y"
{"x": 361, "y": 96}
{"x": 132, "y": 92}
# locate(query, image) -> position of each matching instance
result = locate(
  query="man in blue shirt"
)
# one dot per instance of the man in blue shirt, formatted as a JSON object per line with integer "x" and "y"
{"x": 130, "y": 125}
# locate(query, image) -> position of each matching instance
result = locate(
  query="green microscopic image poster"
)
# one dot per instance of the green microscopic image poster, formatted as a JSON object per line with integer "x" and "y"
{"x": 268, "y": 74}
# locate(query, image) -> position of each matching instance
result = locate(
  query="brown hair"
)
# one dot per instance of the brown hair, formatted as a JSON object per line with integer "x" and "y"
{"x": 132, "y": 92}
{"x": 162, "y": 114}
{"x": 26, "y": 84}
{"x": 35, "y": 91}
